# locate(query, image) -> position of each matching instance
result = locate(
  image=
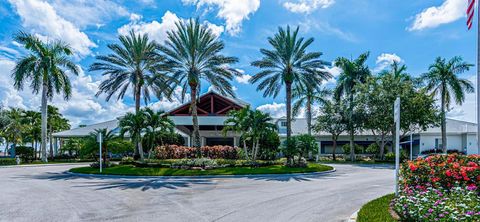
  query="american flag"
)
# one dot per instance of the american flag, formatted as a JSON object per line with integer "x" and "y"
{"x": 470, "y": 13}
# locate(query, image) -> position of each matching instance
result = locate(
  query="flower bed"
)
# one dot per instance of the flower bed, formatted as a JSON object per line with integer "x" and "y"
{"x": 440, "y": 188}
{"x": 204, "y": 163}
{"x": 180, "y": 152}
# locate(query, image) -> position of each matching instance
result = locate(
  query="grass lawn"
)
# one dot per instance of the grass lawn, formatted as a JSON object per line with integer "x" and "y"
{"x": 148, "y": 171}
{"x": 376, "y": 210}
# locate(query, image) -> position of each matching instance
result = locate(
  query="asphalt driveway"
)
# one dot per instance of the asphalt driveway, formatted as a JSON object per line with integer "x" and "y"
{"x": 47, "y": 193}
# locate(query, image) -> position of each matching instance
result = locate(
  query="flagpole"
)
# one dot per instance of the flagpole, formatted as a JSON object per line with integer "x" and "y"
{"x": 478, "y": 79}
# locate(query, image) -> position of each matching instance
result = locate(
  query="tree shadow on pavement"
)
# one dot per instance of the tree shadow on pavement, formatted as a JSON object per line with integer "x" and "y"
{"x": 101, "y": 182}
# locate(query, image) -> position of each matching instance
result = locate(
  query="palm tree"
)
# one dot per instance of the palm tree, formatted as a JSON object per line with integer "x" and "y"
{"x": 286, "y": 64}
{"x": 353, "y": 72}
{"x": 45, "y": 69}
{"x": 307, "y": 95}
{"x": 33, "y": 121}
{"x": 442, "y": 80}
{"x": 56, "y": 123}
{"x": 133, "y": 124}
{"x": 156, "y": 122}
{"x": 193, "y": 54}
{"x": 133, "y": 64}
{"x": 107, "y": 137}
{"x": 253, "y": 124}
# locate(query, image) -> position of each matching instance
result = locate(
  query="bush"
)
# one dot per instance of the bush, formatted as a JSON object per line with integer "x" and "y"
{"x": 180, "y": 152}
{"x": 204, "y": 163}
{"x": 104, "y": 164}
{"x": 346, "y": 149}
{"x": 390, "y": 156}
{"x": 299, "y": 146}
{"x": 269, "y": 146}
{"x": 127, "y": 160}
{"x": 7, "y": 161}
{"x": 442, "y": 171}
{"x": 432, "y": 204}
{"x": 25, "y": 153}
{"x": 373, "y": 148}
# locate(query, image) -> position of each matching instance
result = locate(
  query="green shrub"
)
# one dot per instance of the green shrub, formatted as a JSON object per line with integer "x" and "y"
{"x": 358, "y": 149}
{"x": 269, "y": 146}
{"x": 203, "y": 163}
{"x": 7, "y": 161}
{"x": 390, "y": 156}
{"x": 373, "y": 148}
{"x": 104, "y": 164}
{"x": 127, "y": 160}
{"x": 25, "y": 153}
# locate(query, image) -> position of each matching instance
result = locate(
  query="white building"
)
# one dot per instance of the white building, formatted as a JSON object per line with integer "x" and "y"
{"x": 213, "y": 107}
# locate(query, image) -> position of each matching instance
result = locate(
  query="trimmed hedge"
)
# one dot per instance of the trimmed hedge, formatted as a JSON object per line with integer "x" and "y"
{"x": 181, "y": 152}
{"x": 7, "y": 161}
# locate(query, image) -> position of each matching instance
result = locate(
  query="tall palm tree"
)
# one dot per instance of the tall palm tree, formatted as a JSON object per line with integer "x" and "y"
{"x": 307, "y": 95}
{"x": 288, "y": 63}
{"x": 45, "y": 69}
{"x": 442, "y": 80}
{"x": 193, "y": 54}
{"x": 134, "y": 64}
{"x": 133, "y": 124}
{"x": 353, "y": 72}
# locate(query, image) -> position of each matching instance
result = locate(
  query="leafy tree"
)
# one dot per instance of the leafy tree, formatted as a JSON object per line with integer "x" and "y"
{"x": 45, "y": 70}
{"x": 32, "y": 121}
{"x": 288, "y": 63}
{"x": 377, "y": 96}
{"x": 353, "y": 72}
{"x": 253, "y": 124}
{"x": 72, "y": 147}
{"x": 307, "y": 95}
{"x": 134, "y": 124}
{"x": 193, "y": 54}
{"x": 269, "y": 145}
{"x": 299, "y": 146}
{"x": 91, "y": 145}
{"x": 442, "y": 80}
{"x": 14, "y": 129}
{"x": 332, "y": 120}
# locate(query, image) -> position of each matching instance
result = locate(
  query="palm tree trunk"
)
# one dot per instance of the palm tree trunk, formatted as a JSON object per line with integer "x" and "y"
{"x": 137, "y": 110}
{"x": 444, "y": 124}
{"x": 44, "y": 124}
{"x": 140, "y": 148}
{"x": 245, "y": 149}
{"x": 6, "y": 147}
{"x": 334, "y": 139}
{"x": 289, "y": 109}
{"x": 196, "y": 130}
{"x": 352, "y": 130}
{"x": 309, "y": 115}
{"x": 50, "y": 140}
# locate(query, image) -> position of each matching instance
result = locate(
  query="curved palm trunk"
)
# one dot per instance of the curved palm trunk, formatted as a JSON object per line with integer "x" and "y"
{"x": 444, "y": 124}
{"x": 309, "y": 115}
{"x": 196, "y": 130}
{"x": 44, "y": 124}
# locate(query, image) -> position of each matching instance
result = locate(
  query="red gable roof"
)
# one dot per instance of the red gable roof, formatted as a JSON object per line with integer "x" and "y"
{"x": 209, "y": 104}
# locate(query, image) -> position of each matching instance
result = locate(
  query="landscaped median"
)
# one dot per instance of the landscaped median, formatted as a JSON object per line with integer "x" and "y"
{"x": 437, "y": 188}
{"x": 132, "y": 170}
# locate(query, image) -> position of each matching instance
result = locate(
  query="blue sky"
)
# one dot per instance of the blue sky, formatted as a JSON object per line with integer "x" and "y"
{"x": 409, "y": 31}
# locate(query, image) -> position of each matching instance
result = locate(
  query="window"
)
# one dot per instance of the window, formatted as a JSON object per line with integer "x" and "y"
{"x": 283, "y": 123}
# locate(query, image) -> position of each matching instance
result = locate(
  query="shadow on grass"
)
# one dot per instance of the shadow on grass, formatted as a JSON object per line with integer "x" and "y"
{"x": 104, "y": 182}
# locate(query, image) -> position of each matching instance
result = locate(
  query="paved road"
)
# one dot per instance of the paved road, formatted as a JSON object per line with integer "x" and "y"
{"x": 47, "y": 193}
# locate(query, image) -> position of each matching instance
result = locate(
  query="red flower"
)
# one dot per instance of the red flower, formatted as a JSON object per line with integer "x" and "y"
{"x": 412, "y": 167}
{"x": 448, "y": 173}
{"x": 435, "y": 179}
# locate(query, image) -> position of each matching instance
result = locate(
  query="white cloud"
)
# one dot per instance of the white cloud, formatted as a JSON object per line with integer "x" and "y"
{"x": 44, "y": 20}
{"x": 243, "y": 78}
{"x": 449, "y": 11}
{"x": 84, "y": 13}
{"x": 307, "y": 6}
{"x": 158, "y": 30}
{"x": 326, "y": 29}
{"x": 386, "y": 59}
{"x": 335, "y": 72}
{"x": 234, "y": 12}
{"x": 276, "y": 110}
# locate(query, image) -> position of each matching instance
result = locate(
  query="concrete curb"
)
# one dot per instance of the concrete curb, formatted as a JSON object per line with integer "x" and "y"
{"x": 205, "y": 176}
{"x": 47, "y": 164}
{"x": 353, "y": 217}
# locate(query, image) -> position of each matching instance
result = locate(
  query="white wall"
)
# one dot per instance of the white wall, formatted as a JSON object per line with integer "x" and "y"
{"x": 471, "y": 144}
{"x": 428, "y": 142}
